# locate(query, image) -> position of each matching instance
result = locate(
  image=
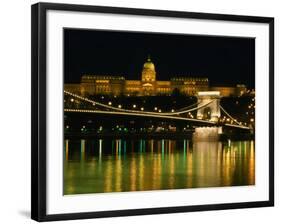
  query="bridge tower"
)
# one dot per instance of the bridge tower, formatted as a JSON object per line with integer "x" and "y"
{"x": 212, "y": 110}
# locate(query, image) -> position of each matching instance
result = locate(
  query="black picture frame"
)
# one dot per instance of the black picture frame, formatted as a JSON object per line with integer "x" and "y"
{"x": 39, "y": 122}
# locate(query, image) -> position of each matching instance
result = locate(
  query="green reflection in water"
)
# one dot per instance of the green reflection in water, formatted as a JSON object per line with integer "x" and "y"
{"x": 102, "y": 165}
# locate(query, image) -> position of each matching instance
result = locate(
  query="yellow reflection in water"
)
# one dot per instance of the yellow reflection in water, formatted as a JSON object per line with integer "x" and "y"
{"x": 226, "y": 167}
{"x": 108, "y": 177}
{"x": 118, "y": 175}
{"x": 133, "y": 174}
{"x": 172, "y": 165}
{"x": 189, "y": 168}
{"x": 156, "y": 172}
{"x": 219, "y": 161}
{"x": 252, "y": 163}
{"x": 151, "y": 145}
{"x": 66, "y": 149}
{"x": 141, "y": 172}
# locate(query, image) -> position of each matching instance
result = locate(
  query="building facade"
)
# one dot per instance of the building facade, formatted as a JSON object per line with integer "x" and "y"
{"x": 227, "y": 91}
{"x": 148, "y": 85}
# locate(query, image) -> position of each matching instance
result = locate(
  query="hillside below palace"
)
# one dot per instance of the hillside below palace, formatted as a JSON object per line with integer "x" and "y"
{"x": 147, "y": 86}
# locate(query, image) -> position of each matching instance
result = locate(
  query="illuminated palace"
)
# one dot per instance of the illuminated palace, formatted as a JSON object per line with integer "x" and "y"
{"x": 147, "y": 86}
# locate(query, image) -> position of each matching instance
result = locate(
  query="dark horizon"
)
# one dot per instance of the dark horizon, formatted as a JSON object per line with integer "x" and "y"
{"x": 225, "y": 61}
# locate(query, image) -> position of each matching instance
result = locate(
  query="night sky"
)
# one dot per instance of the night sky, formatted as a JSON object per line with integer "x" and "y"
{"x": 225, "y": 61}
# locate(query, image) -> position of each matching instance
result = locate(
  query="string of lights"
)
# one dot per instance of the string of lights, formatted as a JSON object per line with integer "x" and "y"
{"x": 119, "y": 110}
{"x": 178, "y": 112}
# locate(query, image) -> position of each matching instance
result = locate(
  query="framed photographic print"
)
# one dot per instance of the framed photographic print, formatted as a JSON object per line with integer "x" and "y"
{"x": 138, "y": 111}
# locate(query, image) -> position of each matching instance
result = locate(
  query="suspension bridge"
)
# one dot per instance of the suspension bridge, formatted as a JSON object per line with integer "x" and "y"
{"x": 209, "y": 100}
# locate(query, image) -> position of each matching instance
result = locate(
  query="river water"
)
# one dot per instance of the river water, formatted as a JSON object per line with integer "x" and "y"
{"x": 118, "y": 165}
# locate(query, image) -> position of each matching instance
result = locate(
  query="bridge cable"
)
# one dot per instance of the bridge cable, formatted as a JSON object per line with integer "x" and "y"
{"x": 133, "y": 111}
{"x": 230, "y": 116}
{"x": 138, "y": 114}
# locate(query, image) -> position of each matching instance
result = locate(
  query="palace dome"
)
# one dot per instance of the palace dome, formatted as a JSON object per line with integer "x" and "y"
{"x": 148, "y": 71}
{"x": 149, "y": 64}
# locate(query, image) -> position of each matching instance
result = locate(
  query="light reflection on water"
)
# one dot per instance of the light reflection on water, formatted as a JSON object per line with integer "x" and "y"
{"x": 95, "y": 166}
